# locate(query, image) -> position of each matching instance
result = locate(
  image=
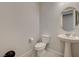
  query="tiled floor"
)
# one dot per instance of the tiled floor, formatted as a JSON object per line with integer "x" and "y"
{"x": 48, "y": 54}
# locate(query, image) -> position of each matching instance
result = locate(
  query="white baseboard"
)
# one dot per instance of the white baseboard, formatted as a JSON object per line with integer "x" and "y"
{"x": 31, "y": 53}
{"x": 56, "y": 52}
{"x": 28, "y": 53}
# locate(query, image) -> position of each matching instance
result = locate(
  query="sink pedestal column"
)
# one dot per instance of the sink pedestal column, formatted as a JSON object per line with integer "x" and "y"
{"x": 67, "y": 51}
{"x": 68, "y": 40}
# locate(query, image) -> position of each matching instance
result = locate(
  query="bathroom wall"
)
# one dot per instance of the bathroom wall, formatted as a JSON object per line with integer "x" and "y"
{"x": 18, "y": 22}
{"x": 50, "y": 22}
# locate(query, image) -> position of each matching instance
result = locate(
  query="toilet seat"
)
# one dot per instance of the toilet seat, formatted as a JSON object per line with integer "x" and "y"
{"x": 40, "y": 46}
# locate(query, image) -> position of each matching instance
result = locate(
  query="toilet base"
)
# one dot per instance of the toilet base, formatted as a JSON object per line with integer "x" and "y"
{"x": 40, "y": 53}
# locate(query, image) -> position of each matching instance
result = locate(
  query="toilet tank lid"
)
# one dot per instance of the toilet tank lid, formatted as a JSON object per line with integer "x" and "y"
{"x": 45, "y": 36}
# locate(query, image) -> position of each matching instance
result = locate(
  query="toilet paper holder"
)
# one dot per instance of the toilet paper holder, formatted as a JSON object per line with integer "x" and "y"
{"x": 31, "y": 39}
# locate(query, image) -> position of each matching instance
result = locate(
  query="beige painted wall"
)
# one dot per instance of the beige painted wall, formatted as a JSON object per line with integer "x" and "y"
{"x": 50, "y": 22}
{"x": 18, "y": 22}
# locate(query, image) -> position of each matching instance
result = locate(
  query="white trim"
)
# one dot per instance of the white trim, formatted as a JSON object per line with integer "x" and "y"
{"x": 56, "y": 52}
{"x": 31, "y": 53}
{"x": 28, "y": 53}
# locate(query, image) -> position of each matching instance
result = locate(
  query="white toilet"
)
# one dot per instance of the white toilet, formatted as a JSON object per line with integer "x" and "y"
{"x": 40, "y": 46}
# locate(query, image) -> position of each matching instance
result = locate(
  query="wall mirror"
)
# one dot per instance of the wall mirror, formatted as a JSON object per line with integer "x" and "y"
{"x": 70, "y": 19}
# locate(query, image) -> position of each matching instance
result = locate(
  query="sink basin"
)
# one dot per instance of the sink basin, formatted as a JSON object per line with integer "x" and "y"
{"x": 68, "y": 39}
{"x": 72, "y": 39}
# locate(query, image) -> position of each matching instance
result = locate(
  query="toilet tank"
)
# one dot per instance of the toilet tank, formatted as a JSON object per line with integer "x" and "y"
{"x": 45, "y": 38}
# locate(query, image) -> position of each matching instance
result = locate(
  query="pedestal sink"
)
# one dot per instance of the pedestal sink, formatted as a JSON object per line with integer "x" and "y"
{"x": 68, "y": 40}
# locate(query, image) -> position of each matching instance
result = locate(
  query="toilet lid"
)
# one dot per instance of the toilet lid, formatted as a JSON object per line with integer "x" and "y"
{"x": 40, "y": 45}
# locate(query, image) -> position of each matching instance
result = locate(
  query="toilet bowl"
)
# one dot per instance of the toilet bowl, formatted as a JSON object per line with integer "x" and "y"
{"x": 40, "y": 46}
